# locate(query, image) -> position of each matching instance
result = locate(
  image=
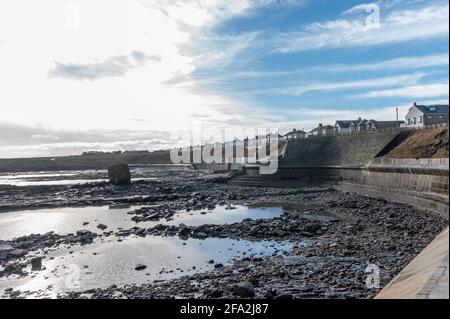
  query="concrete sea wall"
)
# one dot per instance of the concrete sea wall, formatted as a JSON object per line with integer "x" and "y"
{"x": 356, "y": 164}
{"x": 350, "y": 163}
{"x": 422, "y": 183}
{"x": 339, "y": 150}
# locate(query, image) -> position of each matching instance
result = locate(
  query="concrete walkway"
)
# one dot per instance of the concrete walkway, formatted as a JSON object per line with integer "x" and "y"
{"x": 426, "y": 277}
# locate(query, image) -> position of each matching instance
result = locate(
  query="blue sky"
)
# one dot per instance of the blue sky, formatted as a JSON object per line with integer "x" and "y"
{"x": 140, "y": 74}
{"x": 308, "y": 76}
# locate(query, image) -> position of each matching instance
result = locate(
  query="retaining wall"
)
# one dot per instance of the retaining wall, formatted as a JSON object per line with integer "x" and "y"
{"x": 422, "y": 183}
{"x": 339, "y": 150}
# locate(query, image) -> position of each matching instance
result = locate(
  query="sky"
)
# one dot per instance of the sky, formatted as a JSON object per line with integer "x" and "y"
{"x": 142, "y": 74}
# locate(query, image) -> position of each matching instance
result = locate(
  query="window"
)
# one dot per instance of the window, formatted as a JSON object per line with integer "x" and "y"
{"x": 420, "y": 119}
{"x": 415, "y": 120}
{"x": 430, "y": 117}
{"x": 441, "y": 117}
{"x": 433, "y": 108}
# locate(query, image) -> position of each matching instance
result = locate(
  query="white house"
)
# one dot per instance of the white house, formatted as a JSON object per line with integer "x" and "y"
{"x": 424, "y": 115}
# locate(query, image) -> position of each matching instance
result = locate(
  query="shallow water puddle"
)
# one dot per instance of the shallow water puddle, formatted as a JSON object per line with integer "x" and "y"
{"x": 65, "y": 178}
{"x": 103, "y": 264}
{"x": 224, "y": 215}
{"x": 72, "y": 219}
{"x": 62, "y": 220}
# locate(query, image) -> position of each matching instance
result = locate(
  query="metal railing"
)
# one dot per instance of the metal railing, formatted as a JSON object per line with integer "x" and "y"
{"x": 372, "y": 131}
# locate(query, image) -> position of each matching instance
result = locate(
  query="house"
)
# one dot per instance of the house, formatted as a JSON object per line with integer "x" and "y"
{"x": 273, "y": 137}
{"x": 359, "y": 127}
{"x": 343, "y": 127}
{"x": 322, "y": 130}
{"x": 295, "y": 134}
{"x": 373, "y": 125}
{"x": 424, "y": 115}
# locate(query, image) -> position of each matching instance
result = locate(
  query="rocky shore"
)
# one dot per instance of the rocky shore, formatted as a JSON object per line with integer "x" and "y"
{"x": 338, "y": 238}
{"x": 330, "y": 258}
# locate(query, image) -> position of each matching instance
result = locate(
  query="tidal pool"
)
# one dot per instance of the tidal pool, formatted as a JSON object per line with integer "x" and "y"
{"x": 65, "y": 178}
{"x": 71, "y": 219}
{"x": 102, "y": 264}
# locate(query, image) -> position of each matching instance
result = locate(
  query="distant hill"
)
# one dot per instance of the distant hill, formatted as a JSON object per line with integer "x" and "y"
{"x": 82, "y": 162}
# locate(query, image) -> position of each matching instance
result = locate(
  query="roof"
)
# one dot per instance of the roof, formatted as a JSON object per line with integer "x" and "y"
{"x": 362, "y": 122}
{"x": 295, "y": 132}
{"x": 346, "y": 123}
{"x": 329, "y": 127}
{"x": 386, "y": 124}
{"x": 440, "y": 108}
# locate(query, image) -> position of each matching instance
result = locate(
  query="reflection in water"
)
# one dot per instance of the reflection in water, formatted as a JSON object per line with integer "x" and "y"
{"x": 69, "y": 220}
{"x": 65, "y": 178}
{"x": 104, "y": 264}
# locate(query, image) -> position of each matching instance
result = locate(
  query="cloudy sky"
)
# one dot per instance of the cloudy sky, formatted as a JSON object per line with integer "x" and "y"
{"x": 135, "y": 74}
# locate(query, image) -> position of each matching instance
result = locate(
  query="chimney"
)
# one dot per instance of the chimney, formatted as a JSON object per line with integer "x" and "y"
{"x": 320, "y": 125}
{"x": 294, "y": 130}
{"x": 415, "y": 104}
{"x": 359, "y": 119}
{"x": 396, "y": 111}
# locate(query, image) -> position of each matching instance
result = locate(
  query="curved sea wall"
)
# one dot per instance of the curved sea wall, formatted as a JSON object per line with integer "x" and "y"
{"x": 358, "y": 164}
{"x": 339, "y": 150}
{"x": 350, "y": 163}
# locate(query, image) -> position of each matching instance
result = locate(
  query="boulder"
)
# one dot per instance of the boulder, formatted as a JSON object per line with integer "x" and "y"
{"x": 4, "y": 250}
{"x": 36, "y": 263}
{"x": 102, "y": 226}
{"x": 140, "y": 267}
{"x": 17, "y": 253}
{"x": 243, "y": 289}
{"x": 5, "y": 247}
{"x": 119, "y": 174}
{"x": 183, "y": 233}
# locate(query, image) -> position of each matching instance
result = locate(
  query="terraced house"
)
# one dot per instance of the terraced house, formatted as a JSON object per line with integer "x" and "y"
{"x": 425, "y": 115}
{"x": 344, "y": 126}
{"x": 295, "y": 134}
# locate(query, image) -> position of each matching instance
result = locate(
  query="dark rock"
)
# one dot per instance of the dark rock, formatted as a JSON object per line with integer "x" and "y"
{"x": 243, "y": 289}
{"x": 36, "y": 263}
{"x": 183, "y": 232}
{"x": 284, "y": 296}
{"x": 216, "y": 293}
{"x": 140, "y": 267}
{"x": 119, "y": 174}
{"x": 5, "y": 249}
{"x": 200, "y": 235}
{"x": 102, "y": 226}
{"x": 17, "y": 253}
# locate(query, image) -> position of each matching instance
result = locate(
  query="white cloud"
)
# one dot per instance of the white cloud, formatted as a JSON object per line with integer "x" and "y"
{"x": 416, "y": 91}
{"x": 395, "y": 27}
{"x": 413, "y": 62}
{"x": 366, "y": 83}
{"x": 35, "y": 38}
{"x": 114, "y": 66}
{"x": 129, "y": 96}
